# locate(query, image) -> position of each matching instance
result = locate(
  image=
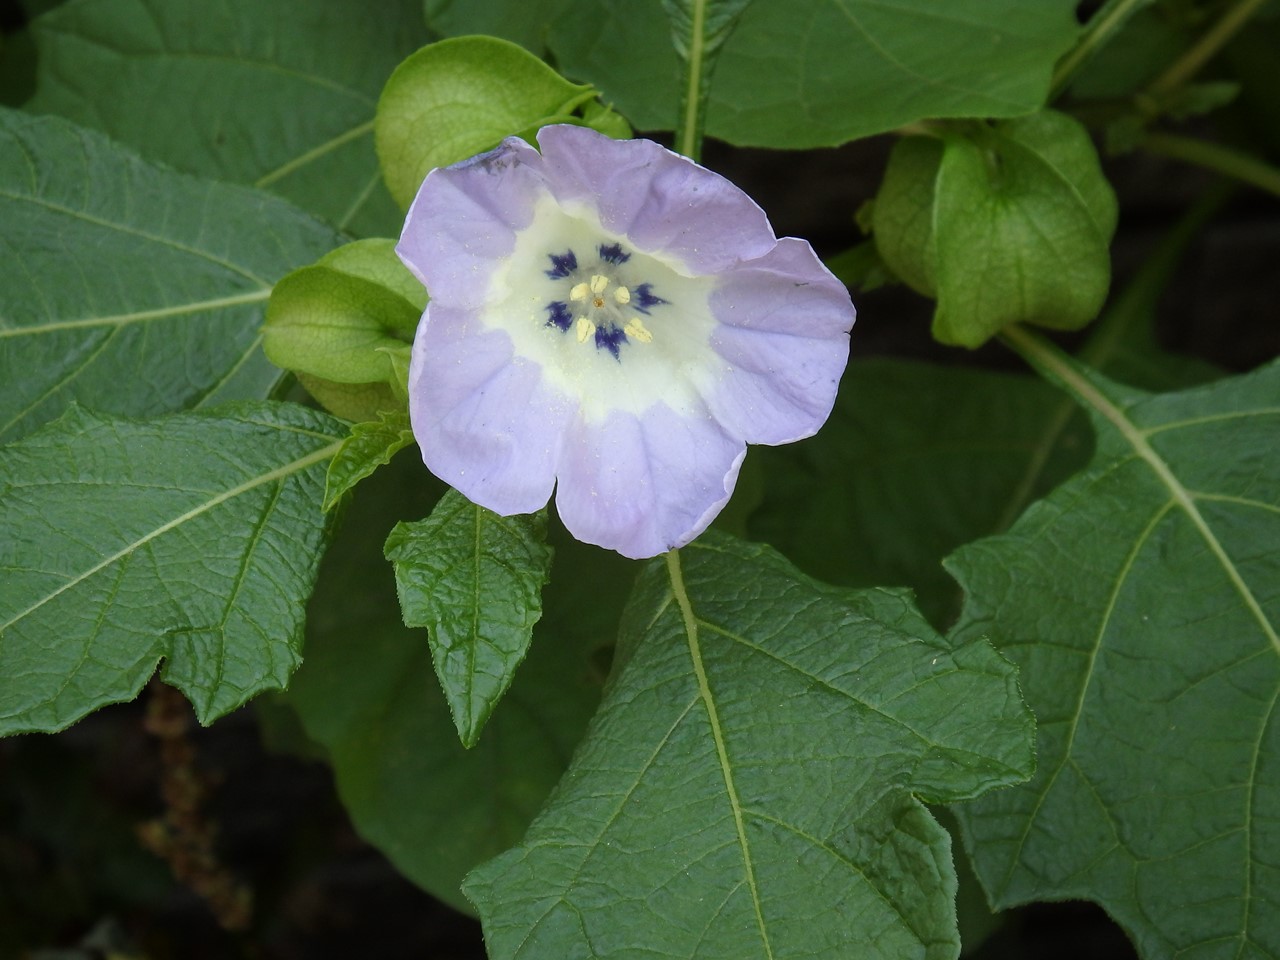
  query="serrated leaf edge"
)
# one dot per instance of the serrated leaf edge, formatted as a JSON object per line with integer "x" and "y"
{"x": 278, "y": 473}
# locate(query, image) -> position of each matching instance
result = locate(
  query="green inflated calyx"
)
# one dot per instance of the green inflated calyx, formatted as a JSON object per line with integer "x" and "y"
{"x": 344, "y": 325}
{"x": 459, "y": 97}
{"x": 1002, "y": 224}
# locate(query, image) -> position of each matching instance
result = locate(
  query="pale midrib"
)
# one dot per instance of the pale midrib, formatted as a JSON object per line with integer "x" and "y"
{"x": 40, "y": 201}
{"x": 313, "y": 154}
{"x": 1088, "y": 393}
{"x": 717, "y": 734}
{"x": 269, "y": 477}
{"x": 140, "y": 316}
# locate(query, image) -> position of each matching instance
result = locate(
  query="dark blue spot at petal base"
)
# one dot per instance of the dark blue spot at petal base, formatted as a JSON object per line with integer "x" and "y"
{"x": 610, "y": 338}
{"x": 612, "y": 253}
{"x": 560, "y": 316}
{"x": 643, "y": 298}
{"x": 563, "y": 264}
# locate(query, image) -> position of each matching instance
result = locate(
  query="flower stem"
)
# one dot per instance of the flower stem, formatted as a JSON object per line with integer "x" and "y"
{"x": 1189, "y": 64}
{"x": 1216, "y": 157}
{"x": 689, "y": 137}
{"x": 1099, "y": 30}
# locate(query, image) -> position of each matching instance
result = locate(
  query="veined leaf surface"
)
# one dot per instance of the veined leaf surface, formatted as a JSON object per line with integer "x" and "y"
{"x": 132, "y": 289}
{"x": 749, "y": 787}
{"x": 192, "y": 538}
{"x": 273, "y": 93}
{"x": 1141, "y": 602}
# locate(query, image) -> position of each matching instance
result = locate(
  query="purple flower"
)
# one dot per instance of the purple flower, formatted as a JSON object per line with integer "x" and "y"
{"x": 613, "y": 321}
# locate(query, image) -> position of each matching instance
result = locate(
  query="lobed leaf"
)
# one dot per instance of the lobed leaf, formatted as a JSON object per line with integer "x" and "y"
{"x": 1141, "y": 602}
{"x": 130, "y": 288}
{"x": 272, "y": 93}
{"x": 366, "y": 691}
{"x": 748, "y": 787}
{"x": 474, "y": 580}
{"x": 192, "y": 538}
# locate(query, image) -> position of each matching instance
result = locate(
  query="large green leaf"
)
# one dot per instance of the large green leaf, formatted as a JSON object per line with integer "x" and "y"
{"x": 270, "y": 92}
{"x": 133, "y": 289}
{"x": 917, "y": 460}
{"x": 1141, "y": 602}
{"x": 806, "y": 73}
{"x": 749, "y": 787}
{"x": 192, "y": 538}
{"x": 526, "y": 22}
{"x": 368, "y": 694}
{"x": 474, "y": 580}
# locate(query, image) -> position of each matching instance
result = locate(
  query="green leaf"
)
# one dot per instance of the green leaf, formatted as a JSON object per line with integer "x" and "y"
{"x": 917, "y": 460}
{"x": 456, "y": 98}
{"x": 526, "y": 22}
{"x": 1147, "y": 38}
{"x": 1022, "y": 223}
{"x": 366, "y": 692}
{"x": 474, "y": 580}
{"x": 130, "y": 288}
{"x": 809, "y": 73}
{"x": 1140, "y": 603}
{"x": 337, "y": 326}
{"x": 265, "y": 92}
{"x": 371, "y": 445}
{"x": 192, "y": 538}
{"x": 755, "y": 765}
{"x": 914, "y": 461}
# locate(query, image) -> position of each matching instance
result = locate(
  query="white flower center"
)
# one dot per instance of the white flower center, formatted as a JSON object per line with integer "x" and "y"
{"x": 615, "y": 327}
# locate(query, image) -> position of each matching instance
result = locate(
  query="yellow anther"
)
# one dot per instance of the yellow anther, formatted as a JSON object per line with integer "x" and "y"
{"x": 622, "y": 294}
{"x": 638, "y": 331}
{"x": 599, "y": 282}
{"x": 580, "y": 291}
{"x": 585, "y": 329}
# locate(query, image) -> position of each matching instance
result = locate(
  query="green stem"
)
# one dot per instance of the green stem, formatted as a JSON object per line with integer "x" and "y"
{"x": 689, "y": 138}
{"x": 1216, "y": 157}
{"x": 1189, "y": 64}
{"x": 1098, "y": 32}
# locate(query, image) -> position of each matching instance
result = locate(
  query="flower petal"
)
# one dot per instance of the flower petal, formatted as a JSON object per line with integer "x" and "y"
{"x": 466, "y": 216}
{"x": 784, "y": 330}
{"x": 487, "y": 422}
{"x": 643, "y": 484}
{"x": 664, "y": 203}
